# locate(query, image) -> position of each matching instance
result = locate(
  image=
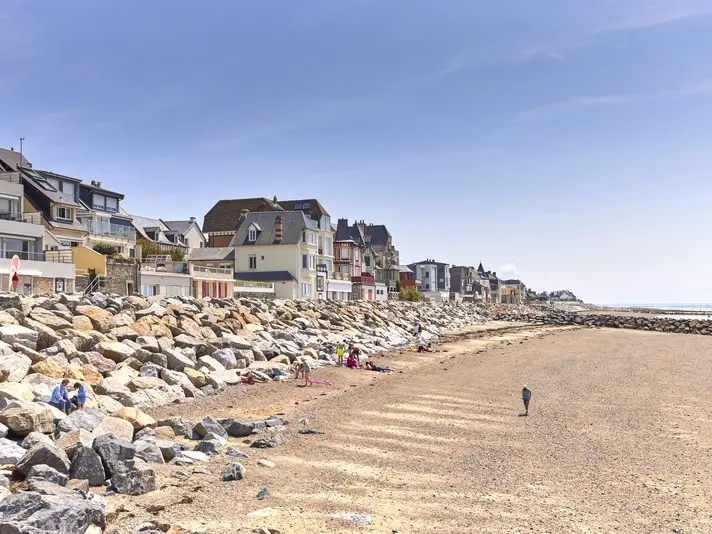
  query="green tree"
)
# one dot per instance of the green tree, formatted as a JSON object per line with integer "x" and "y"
{"x": 399, "y": 286}
{"x": 412, "y": 294}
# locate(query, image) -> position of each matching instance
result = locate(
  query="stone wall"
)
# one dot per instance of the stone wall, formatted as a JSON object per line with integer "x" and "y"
{"x": 43, "y": 285}
{"x": 119, "y": 275}
{"x": 632, "y": 322}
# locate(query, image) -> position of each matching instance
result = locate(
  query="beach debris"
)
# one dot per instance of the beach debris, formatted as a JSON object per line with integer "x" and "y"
{"x": 311, "y": 431}
{"x": 360, "y": 519}
{"x": 263, "y": 494}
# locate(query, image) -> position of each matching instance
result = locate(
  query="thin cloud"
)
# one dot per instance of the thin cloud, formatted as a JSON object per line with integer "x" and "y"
{"x": 508, "y": 269}
{"x": 647, "y": 20}
{"x": 576, "y": 103}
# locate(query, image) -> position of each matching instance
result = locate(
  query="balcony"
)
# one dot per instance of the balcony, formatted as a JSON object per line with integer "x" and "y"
{"x": 211, "y": 273}
{"x": 117, "y": 231}
{"x": 246, "y": 286}
{"x": 341, "y": 276}
{"x": 18, "y": 216}
{"x": 365, "y": 279}
{"x": 52, "y": 256}
{"x": 152, "y": 265}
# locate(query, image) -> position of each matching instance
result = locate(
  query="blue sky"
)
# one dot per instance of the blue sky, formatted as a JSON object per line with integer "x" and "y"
{"x": 566, "y": 143}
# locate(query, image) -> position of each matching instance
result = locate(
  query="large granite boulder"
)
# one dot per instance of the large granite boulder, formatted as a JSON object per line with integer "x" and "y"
{"x": 43, "y": 454}
{"x": 115, "y": 453}
{"x": 22, "y": 421}
{"x": 17, "y": 364}
{"x": 87, "y": 465}
{"x": 34, "y": 513}
{"x": 102, "y": 320}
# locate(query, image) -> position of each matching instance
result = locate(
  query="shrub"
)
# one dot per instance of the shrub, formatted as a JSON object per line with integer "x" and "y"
{"x": 106, "y": 250}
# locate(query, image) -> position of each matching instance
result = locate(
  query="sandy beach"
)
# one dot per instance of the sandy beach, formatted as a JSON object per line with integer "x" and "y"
{"x": 618, "y": 439}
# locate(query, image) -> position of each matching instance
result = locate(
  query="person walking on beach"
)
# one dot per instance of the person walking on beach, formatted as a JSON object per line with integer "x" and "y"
{"x": 526, "y": 396}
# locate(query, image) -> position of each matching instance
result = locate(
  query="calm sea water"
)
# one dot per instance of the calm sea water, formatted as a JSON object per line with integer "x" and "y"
{"x": 679, "y": 311}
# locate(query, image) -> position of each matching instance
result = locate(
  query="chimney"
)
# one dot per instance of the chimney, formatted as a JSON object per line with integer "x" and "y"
{"x": 278, "y": 229}
{"x": 243, "y": 214}
{"x": 192, "y": 219}
{"x": 93, "y": 182}
{"x": 274, "y": 199}
{"x": 98, "y": 184}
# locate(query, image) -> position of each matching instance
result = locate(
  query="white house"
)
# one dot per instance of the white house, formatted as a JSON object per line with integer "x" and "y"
{"x": 279, "y": 247}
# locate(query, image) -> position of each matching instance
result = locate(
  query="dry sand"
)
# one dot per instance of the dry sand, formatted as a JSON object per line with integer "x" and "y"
{"x": 618, "y": 439}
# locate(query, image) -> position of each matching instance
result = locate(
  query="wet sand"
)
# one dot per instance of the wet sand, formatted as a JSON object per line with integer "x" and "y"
{"x": 618, "y": 439}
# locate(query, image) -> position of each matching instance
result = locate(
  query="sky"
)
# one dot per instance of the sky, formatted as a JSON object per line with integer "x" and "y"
{"x": 568, "y": 144}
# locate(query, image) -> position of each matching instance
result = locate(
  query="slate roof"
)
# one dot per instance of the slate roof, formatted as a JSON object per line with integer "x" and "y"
{"x": 266, "y": 276}
{"x": 308, "y": 205}
{"x": 352, "y": 233}
{"x": 405, "y": 269}
{"x": 142, "y": 224}
{"x": 211, "y": 254}
{"x": 36, "y": 179}
{"x": 378, "y": 234}
{"x": 102, "y": 191}
{"x": 225, "y": 214}
{"x": 481, "y": 269}
{"x": 293, "y": 224}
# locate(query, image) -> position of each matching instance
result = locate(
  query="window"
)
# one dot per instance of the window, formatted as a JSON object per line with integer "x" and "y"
{"x": 427, "y": 274}
{"x": 150, "y": 291}
{"x": 67, "y": 188}
{"x": 99, "y": 202}
{"x": 252, "y": 234}
{"x": 44, "y": 184}
{"x": 344, "y": 253}
{"x": 112, "y": 204}
{"x": 345, "y": 270}
{"x": 306, "y": 289}
{"x": 304, "y": 261}
{"x": 64, "y": 213}
{"x": 312, "y": 262}
{"x": 311, "y": 238}
{"x": 253, "y": 261}
{"x": 367, "y": 261}
{"x": 59, "y": 285}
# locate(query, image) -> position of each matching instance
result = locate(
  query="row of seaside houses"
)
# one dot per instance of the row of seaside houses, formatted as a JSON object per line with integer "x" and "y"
{"x": 74, "y": 236}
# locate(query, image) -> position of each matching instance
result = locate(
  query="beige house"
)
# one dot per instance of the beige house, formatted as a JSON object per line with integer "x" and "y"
{"x": 280, "y": 247}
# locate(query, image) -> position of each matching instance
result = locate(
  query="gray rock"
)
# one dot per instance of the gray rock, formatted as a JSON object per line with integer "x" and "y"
{"x": 10, "y": 452}
{"x": 87, "y": 465}
{"x": 210, "y": 446}
{"x": 149, "y": 451}
{"x": 237, "y": 429}
{"x": 3, "y": 431}
{"x": 209, "y": 426}
{"x": 115, "y": 453}
{"x": 140, "y": 479}
{"x": 35, "y": 438}
{"x": 88, "y": 419}
{"x": 147, "y": 434}
{"x": 14, "y": 333}
{"x": 70, "y": 441}
{"x": 43, "y": 454}
{"x": 45, "y": 487}
{"x": 177, "y": 361}
{"x": 169, "y": 449}
{"x": 267, "y": 443}
{"x": 226, "y": 357}
{"x": 150, "y": 370}
{"x": 45, "y": 472}
{"x": 159, "y": 359}
{"x": 234, "y": 471}
{"x": 179, "y": 426}
{"x": 33, "y": 513}
{"x": 148, "y": 343}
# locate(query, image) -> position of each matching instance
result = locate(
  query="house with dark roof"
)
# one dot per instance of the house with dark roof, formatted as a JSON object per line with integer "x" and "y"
{"x": 349, "y": 245}
{"x": 385, "y": 255}
{"x": 24, "y": 234}
{"x": 188, "y": 231}
{"x": 278, "y": 247}
{"x": 221, "y": 221}
{"x": 512, "y": 291}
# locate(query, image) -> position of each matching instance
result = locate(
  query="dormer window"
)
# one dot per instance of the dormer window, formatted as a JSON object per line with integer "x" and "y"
{"x": 252, "y": 234}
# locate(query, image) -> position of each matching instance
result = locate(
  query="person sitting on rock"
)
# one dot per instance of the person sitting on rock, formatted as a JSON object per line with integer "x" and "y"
{"x": 81, "y": 396}
{"x": 60, "y": 397}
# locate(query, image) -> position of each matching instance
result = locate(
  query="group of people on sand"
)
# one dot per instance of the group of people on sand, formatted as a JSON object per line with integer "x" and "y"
{"x": 60, "y": 397}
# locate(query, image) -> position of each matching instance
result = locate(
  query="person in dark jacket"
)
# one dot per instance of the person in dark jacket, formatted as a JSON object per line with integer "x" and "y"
{"x": 526, "y": 397}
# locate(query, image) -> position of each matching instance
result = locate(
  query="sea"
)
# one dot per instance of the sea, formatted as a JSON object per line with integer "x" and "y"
{"x": 676, "y": 311}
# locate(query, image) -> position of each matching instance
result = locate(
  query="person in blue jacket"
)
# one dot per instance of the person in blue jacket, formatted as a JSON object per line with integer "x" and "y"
{"x": 60, "y": 397}
{"x": 81, "y": 394}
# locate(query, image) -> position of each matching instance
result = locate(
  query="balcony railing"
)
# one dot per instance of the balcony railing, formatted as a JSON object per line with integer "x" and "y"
{"x": 174, "y": 267}
{"x": 222, "y": 273}
{"x": 13, "y": 177}
{"x": 247, "y": 283}
{"x": 341, "y": 276}
{"x": 53, "y": 256}
{"x": 118, "y": 231}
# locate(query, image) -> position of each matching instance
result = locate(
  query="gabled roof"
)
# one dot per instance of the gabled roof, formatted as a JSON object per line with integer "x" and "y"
{"x": 211, "y": 254}
{"x": 183, "y": 227}
{"x": 145, "y": 224}
{"x": 481, "y": 269}
{"x": 405, "y": 269}
{"x": 37, "y": 180}
{"x": 345, "y": 233}
{"x": 97, "y": 189}
{"x": 293, "y": 224}
{"x": 225, "y": 214}
{"x": 378, "y": 234}
{"x": 12, "y": 160}
{"x": 266, "y": 276}
{"x": 308, "y": 205}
